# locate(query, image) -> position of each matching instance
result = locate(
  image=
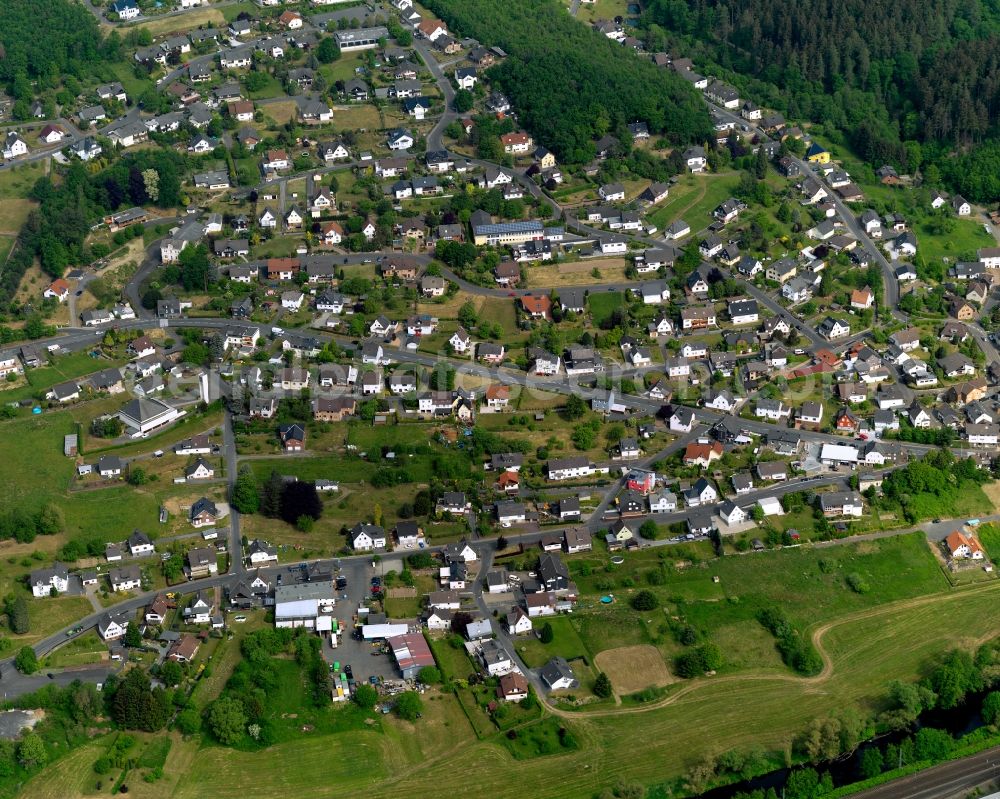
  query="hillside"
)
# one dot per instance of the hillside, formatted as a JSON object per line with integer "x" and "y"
{"x": 883, "y": 72}
{"x": 571, "y": 85}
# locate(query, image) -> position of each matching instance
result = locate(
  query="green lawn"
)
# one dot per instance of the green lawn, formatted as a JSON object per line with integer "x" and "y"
{"x": 540, "y": 738}
{"x": 16, "y": 183}
{"x": 453, "y": 662}
{"x": 277, "y": 247}
{"x": 501, "y": 312}
{"x": 342, "y": 69}
{"x": 566, "y": 642}
{"x": 989, "y": 537}
{"x": 602, "y": 305}
{"x": 86, "y": 648}
{"x": 134, "y": 86}
{"x": 50, "y": 615}
{"x": 960, "y": 244}
{"x": 272, "y": 88}
{"x": 717, "y": 190}
{"x": 403, "y": 607}
{"x": 233, "y": 11}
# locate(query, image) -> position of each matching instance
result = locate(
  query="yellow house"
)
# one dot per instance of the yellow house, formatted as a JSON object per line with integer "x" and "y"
{"x": 546, "y": 160}
{"x": 817, "y": 155}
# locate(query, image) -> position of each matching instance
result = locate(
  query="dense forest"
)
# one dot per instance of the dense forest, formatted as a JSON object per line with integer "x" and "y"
{"x": 908, "y": 82}
{"x": 571, "y": 85}
{"x": 46, "y": 39}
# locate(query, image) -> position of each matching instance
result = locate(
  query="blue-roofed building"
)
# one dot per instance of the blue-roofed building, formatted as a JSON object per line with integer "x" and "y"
{"x": 508, "y": 232}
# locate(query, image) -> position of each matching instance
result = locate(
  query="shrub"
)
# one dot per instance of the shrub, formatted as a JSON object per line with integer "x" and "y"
{"x": 645, "y": 600}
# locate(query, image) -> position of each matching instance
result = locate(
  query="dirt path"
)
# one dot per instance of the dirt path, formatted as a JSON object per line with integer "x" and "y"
{"x": 816, "y": 637}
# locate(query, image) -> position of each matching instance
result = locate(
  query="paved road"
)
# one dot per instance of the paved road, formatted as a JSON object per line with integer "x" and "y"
{"x": 486, "y": 563}
{"x": 132, "y": 604}
{"x": 236, "y": 564}
{"x": 15, "y": 684}
{"x": 768, "y": 301}
{"x": 434, "y": 137}
{"x": 891, "y": 293}
{"x": 74, "y": 338}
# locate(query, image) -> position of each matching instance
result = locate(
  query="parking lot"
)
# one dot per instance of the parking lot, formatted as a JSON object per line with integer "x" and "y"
{"x": 359, "y": 654}
{"x": 349, "y": 651}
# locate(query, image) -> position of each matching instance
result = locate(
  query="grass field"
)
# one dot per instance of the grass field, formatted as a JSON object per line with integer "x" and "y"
{"x": 566, "y": 642}
{"x": 272, "y": 89}
{"x": 342, "y": 69}
{"x": 87, "y": 648}
{"x": 233, "y": 11}
{"x": 961, "y": 243}
{"x": 13, "y": 214}
{"x": 101, "y": 514}
{"x": 133, "y": 85}
{"x": 15, "y": 183}
{"x": 6, "y": 244}
{"x": 358, "y": 117}
{"x": 693, "y": 199}
{"x": 601, "y": 306}
{"x": 49, "y": 615}
{"x": 281, "y": 112}
{"x": 184, "y": 22}
{"x": 634, "y": 668}
{"x": 499, "y": 311}
{"x": 989, "y": 537}
{"x": 612, "y": 270}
